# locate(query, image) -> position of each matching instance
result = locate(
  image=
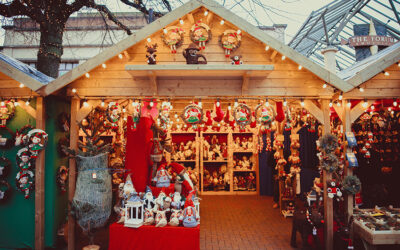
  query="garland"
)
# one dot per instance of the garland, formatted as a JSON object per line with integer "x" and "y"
{"x": 351, "y": 185}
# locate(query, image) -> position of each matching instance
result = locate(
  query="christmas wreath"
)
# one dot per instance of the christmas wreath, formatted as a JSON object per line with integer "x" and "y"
{"x": 192, "y": 114}
{"x": 25, "y": 182}
{"x": 21, "y": 137}
{"x": 7, "y": 138}
{"x": 200, "y": 33}
{"x": 63, "y": 142}
{"x": 328, "y": 143}
{"x": 264, "y": 114}
{"x": 173, "y": 37}
{"x": 37, "y": 139}
{"x": 230, "y": 40}
{"x": 4, "y": 190}
{"x": 330, "y": 163}
{"x": 5, "y": 165}
{"x": 351, "y": 184}
{"x": 242, "y": 114}
{"x": 7, "y": 110}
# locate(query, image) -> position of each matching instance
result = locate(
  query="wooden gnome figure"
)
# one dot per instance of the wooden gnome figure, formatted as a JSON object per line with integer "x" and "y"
{"x": 162, "y": 177}
{"x": 191, "y": 55}
{"x": 236, "y": 60}
{"x": 189, "y": 213}
{"x": 151, "y": 53}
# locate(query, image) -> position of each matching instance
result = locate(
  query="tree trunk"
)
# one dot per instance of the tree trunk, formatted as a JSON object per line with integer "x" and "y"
{"x": 51, "y": 48}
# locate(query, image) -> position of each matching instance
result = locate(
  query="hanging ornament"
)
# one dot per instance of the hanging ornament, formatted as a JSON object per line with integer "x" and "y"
{"x": 264, "y": 114}
{"x": 37, "y": 140}
{"x": 164, "y": 115}
{"x": 333, "y": 190}
{"x": 6, "y": 138}
{"x": 173, "y": 37}
{"x": 242, "y": 115}
{"x": 137, "y": 109}
{"x": 230, "y": 40}
{"x": 7, "y": 110}
{"x": 5, "y": 165}
{"x": 24, "y": 157}
{"x": 192, "y": 115}
{"x": 113, "y": 115}
{"x": 4, "y": 190}
{"x": 25, "y": 182}
{"x": 62, "y": 176}
{"x": 200, "y": 33}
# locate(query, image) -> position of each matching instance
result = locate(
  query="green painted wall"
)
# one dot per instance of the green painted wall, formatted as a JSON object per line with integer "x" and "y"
{"x": 17, "y": 215}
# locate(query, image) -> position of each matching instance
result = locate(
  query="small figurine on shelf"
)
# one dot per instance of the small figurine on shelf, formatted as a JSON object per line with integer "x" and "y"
{"x": 151, "y": 53}
{"x": 246, "y": 164}
{"x": 148, "y": 198}
{"x": 191, "y": 55}
{"x": 224, "y": 150}
{"x": 161, "y": 219}
{"x": 176, "y": 201}
{"x": 251, "y": 179}
{"x": 148, "y": 217}
{"x": 244, "y": 143}
{"x": 162, "y": 177}
{"x": 190, "y": 216}
{"x": 235, "y": 183}
{"x": 159, "y": 202}
{"x": 236, "y": 60}
{"x": 174, "y": 218}
{"x": 250, "y": 144}
{"x": 237, "y": 145}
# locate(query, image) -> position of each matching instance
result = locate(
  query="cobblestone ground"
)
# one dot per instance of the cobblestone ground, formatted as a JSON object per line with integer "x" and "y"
{"x": 243, "y": 222}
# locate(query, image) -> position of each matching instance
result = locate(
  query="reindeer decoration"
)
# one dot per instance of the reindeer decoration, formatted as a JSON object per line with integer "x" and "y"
{"x": 151, "y": 53}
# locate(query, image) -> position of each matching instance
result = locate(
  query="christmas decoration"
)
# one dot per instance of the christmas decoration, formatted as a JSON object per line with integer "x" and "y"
{"x": 200, "y": 33}
{"x": 25, "y": 182}
{"x": 230, "y": 40}
{"x": 190, "y": 216}
{"x": 236, "y": 60}
{"x": 162, "y": 177}
{"x": 7, "y": 110}
{"x": 37, "y": 140}
{"x": 333, "y": 190}
{"x": 113, "y": 115}
{"x": 191, "y": 55}
{"x": 173, "y": 37}
{"x": 137, "y": 109}
{"x": 351, "y": 185}
{"x": 151, "y": 53}
{"x": 61, "y": 178}
{"x": 264, "y": 114}
{"x": 6, "y": 138}
{"x": 161, "y": 219}
{"x": 21, "y": 137}
{"x": 4, "y": 190}
{"x": 24, "y": 157}
{"x": 176, "y": 214}
{"x": 5, "y": 165}
{"x": 192, "y": 115}
{"x": 242, "y": 115}
{"x": 63, "y": 121}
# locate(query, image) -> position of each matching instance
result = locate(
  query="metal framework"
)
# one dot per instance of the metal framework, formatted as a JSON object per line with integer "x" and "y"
{"x": 334, "y": 22}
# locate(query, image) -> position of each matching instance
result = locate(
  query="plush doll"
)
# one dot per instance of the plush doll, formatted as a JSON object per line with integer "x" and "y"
{"x": 176, "y": 201}
{"x": 148, "y": 217}
{"x": 161, "y": 219}
{"x": 190, "y": 215}
{"x": 251, "y": 181}
{"x": 128, "y": 189}
{"x": 174, "y": 218}
{"x": 162, "y": 177}
{"x": 245, "y": 163}
{"x": 24, "y": 159}
{"x": 151, "y": 53}
{"x": 25, "y": 181}
{"x": 159, "y": 202}
{"x": 236, "y": 60}
{"x": 167, "y": 204}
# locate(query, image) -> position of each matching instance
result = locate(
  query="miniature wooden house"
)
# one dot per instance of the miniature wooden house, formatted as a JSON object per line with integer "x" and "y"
{"x": 134, "y": 212}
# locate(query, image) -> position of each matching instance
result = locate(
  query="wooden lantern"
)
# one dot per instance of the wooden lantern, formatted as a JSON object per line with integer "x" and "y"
{"x": 134, "y": 212}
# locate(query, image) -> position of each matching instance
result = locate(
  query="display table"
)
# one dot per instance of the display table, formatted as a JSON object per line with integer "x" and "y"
{"x": 371, "y": 238}
{"x": 151, "y": 237}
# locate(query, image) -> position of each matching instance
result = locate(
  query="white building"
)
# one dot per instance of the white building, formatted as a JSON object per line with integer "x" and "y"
{"x": 85, "y": 36}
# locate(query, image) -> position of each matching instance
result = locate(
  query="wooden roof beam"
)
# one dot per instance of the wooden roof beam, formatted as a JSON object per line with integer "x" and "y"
{"x": 84, "y": 111}
{"x": 209, "y": 18}
{"x": 358, "y": 110}
{"x": 314, "y": 110}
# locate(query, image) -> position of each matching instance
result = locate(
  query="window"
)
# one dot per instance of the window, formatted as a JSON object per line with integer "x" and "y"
{"x": 62, "y": 69}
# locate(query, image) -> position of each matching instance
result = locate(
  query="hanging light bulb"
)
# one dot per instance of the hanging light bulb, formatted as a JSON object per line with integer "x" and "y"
{"x": 125, "y": 119}
{"x": 392, "y": 112}
{"x": 85, "y": 103}
{"x": 2, "y": 103}
{"x": 330, "y": 104}
{"x": 284, "y": 102}
{"x": 283, "y": 58}
{"x": 348, "y": 103}
{"x": 16, "y": 103}
{"x": 222, "y": 22}
{"x": 365, "y": 103}
{"x": 205, "y": 13}
{"x": 74, "y": 91}
{"x": 266, "y": 103}
{"x": 341, "y": 96}
{"x": 236, "y": 103}
{"x": 120, "y": 56}
{"x": 176, "y": 116}
{"x": 229, "y": 107}
{"x": 148, "y": 39}
{"x": 239, "y": 31}
{"x": 177, "y": 120}
{"x": 300, "y": 67}
{"x": 165, "y": 31}
{"x": 21, "y": 85}
{"x": 361, "y": 89}
{"x": 395, "y": 102}
{"x": 372, "y": 107}
{"x": 124, "y": 110}
{"x": 87, "y": 75}
{"x": 398, "y": 64}
{"x": 386, "y": 73}
{"x": 181, "y": 21}
{"x": 104, "y": 65}
{"x": 28, "y": 101}
{"x": 218, "y": 103}
{"x": 102, "y": 102}
{"x": 151, "y": 103}
{"x": 302, "y": 103}
{"x": 390, "y": 108}
{"x": 325, "y": 85}
{"x": 266, "y": 48}
{"x": 338, "y": 104}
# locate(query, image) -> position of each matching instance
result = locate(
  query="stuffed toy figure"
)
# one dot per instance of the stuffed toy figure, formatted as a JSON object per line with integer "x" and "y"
{"x": 148, "y": 198}
{"x": 161, "y": 219}
{"x": 176, "y": 201}
{"x": 148, "y": 217}
{"x": 159, "y": 202}
{"x": 174, "y": 218}
{"x": 24, "y": 159}
{"x": 189, "y": 213}
{"x": 236, "y": 60}
{"x": 162, "y": 177}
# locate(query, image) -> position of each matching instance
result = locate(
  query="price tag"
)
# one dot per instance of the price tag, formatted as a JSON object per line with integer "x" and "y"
{"x": 94, "y": 175}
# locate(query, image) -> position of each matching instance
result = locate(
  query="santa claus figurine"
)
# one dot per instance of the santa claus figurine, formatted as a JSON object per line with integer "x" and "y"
{"x": 162, "y": 177}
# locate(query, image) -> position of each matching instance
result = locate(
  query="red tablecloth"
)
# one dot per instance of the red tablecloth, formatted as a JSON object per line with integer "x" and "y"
{"x": 155, "y": 238}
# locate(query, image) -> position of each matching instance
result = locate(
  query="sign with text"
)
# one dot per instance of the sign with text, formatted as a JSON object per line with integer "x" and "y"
{"x": 351, "y": 139}
{"x": 356, "y": 41}
{"x": 352, "y": 159}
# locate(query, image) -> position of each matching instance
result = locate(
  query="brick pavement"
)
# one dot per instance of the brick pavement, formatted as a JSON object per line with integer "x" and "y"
{"x": 243, "y": 222}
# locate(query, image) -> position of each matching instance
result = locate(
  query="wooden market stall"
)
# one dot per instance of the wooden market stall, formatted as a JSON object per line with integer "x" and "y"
{"x": 270, "y": 69}
{"x": 18, "y": 92}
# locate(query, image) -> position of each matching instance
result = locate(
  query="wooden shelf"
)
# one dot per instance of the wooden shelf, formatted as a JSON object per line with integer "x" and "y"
{"x": 216, "y": 192}
{"x": 244, "y": 151}
{"x": 245, "y": 192}
{"x": 224, "y": 161}
{"x": 194, "y": 161}
{"x": 199, "y": 70}
{"x": 183, "y": 132}
{"x": 215, "y": 132}
{"x": 244, "y": 170}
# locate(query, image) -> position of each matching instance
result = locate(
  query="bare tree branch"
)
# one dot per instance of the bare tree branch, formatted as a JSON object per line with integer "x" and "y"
{"x": 17, "y": 8}
{"x": 142, "y": 8}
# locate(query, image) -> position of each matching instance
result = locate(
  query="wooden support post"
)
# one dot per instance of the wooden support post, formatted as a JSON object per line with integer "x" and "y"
{"x": 314, "y": 110}
{"x": 273, "y": 54}
{"x": 39, "y": 180}
{"x": 74, "y": 136}
{"x": 358, "y": 110}
{"x": 328, "y": 202}
{"x": 348, "y": 198}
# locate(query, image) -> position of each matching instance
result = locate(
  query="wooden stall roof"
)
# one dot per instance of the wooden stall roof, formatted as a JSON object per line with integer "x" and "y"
{"x": 186, "y": 10}
{"x": 14, "y": 72}
{"x": 369, "y": 74}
